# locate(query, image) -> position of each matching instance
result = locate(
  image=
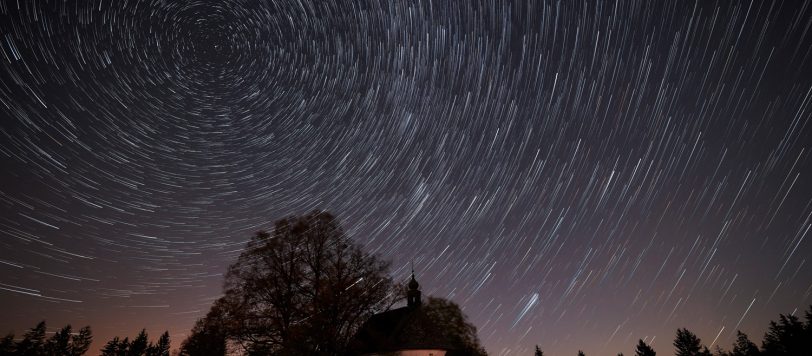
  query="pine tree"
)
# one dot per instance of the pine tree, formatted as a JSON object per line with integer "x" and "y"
{"x": 808, "y": 325}
{"x": 7, "y": 345}
{"x": 112, "y": 348}
{"x": 785, "y": 337}
{"x": 743, "y": 346}
{"x": 581, "y": 353}
{"x": 719, "y": 351}
{"x": 80, "y": 343}
{"x": 644, "y": 349}
{"x": 538, "y": 351}
{"x": 687, "y": 343}
{"x": 59, "y": 344}
{"x": 705, "y": 351}
{"x": 161, "y": 348}
{"x": 33, "y": 343}
{"x": 138, "y": 347}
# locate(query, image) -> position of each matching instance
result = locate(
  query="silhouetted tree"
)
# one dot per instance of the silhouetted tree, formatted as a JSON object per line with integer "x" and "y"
{"x": 580, "y": 353}
{"x": 62, "y": 343}
{"x": 124, "y": 347}
{"x": 140, "y": 346}
{"x": 538, "y": 351}
{"x": 80, "y": 343}
{"x": 743, "y": 346}
{"x": 644, "y": 349}
{"x": 59, "y": 344}
{"x": 719, "y": 351}
{"x": 808, "y": 325}
{"x": 208, "y": 336}
{"x": 786, "y": 337}
{"x": 449, "y": 318}
{"x": 7, "y": 345}
{"x": 303, "y": 289}
{"x": 160, "y": 348}
{"x": 115, "y": 347}
{"x": 687, "y": 343}
{"x": 33, "y": 343}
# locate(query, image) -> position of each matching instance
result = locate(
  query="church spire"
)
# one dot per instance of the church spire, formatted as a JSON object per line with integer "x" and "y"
{"x": 413, "y": 294}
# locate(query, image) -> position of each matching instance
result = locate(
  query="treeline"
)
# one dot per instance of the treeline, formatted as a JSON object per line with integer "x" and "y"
{"x": 789, "y": 336}
{"x": 139, "y": 346}
{"x": 67, "y": 343}
{"x": 34, "y": 342}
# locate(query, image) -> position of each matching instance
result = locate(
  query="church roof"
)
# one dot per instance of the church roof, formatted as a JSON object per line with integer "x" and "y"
{"x": 407, "y": 328}
{"x": 413, "y": 327}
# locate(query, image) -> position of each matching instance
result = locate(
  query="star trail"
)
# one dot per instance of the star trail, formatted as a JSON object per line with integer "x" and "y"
{"x": 575, "y": 174}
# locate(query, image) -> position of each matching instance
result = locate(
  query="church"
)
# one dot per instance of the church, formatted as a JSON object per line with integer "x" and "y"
{"x": 406, "y": 331}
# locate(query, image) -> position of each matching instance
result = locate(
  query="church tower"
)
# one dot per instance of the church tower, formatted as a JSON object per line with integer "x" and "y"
{"x": 413, "y": 294}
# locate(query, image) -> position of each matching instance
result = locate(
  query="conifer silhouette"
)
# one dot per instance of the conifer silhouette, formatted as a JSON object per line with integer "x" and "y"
{"x": 644, "y": 349}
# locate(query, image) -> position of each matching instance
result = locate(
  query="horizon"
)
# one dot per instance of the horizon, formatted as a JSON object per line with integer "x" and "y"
{"x": 576, "y": 176}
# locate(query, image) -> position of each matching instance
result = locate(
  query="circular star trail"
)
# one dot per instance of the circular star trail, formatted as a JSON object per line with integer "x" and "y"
{"x": 577, "y": 175}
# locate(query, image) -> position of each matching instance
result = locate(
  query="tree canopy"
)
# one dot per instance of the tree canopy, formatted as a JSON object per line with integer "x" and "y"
{"x": 208, "y": 336}
{"x": 302, "y": 289}
{"x": 451, "y": 321}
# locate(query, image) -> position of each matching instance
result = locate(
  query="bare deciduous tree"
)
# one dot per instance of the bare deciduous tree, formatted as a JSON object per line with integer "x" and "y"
{"x": 303, "y": 289}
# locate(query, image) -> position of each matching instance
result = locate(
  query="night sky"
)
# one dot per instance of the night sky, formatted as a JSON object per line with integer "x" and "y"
{"x": 575, "y": 174}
